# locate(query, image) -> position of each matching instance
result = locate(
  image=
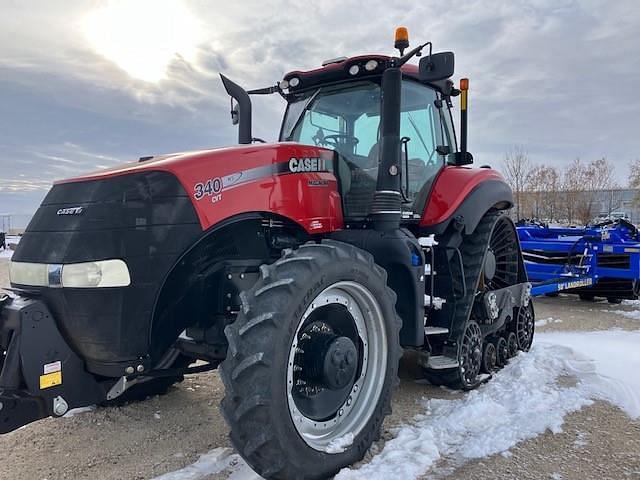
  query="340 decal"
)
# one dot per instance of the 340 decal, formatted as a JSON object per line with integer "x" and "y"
{"x": 211, "y": 187}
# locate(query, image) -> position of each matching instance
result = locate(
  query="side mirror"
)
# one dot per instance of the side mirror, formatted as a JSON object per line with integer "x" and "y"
{"x": 437, "y": 66}
{"x": 460, "y": 158}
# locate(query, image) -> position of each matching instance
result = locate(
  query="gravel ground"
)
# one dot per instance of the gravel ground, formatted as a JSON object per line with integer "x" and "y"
{"x": 164, "y": 434}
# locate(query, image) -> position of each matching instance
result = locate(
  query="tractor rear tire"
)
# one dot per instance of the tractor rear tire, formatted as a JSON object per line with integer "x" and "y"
{"x": 312, "y": 362}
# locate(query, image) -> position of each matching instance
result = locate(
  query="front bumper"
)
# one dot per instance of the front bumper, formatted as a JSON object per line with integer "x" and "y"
{"x": 41, "y": 375}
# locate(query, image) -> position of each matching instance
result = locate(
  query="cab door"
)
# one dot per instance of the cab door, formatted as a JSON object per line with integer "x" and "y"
{"x": 422, "y": 131}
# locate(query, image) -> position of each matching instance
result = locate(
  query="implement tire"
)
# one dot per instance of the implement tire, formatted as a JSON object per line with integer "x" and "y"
{"x": 296, "y": 405}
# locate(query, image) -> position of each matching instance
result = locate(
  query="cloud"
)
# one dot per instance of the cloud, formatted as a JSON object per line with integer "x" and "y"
{"x": 554, "y": 76}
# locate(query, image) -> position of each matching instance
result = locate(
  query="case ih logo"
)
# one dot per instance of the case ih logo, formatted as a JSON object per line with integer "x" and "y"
{"x": 307, "y": 164}
{"x": 71, "y": 211}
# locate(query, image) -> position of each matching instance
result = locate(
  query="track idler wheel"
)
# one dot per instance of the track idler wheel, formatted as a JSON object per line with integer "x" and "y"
{"x": 502, "y": 351}
{"x": 489, "y": 358}
{"x": 512, "y": 345}
{"x": 525, "y": 327}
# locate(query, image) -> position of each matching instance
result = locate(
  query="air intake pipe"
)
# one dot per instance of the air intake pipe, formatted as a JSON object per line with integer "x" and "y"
{"x": 242, "y": 112}
{"x": 386, "y": 208}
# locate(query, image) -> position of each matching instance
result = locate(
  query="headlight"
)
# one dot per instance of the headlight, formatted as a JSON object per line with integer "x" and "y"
{"x": 33, "y": 274}
{"x": 104, "y": 273}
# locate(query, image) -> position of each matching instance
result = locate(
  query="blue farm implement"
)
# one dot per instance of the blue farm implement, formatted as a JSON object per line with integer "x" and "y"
{"x": 602, "y": 260}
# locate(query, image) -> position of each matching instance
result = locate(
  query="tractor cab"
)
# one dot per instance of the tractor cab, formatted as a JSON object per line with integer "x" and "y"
{"x": 345, "y": 115}
{"x": 389, "y": 122}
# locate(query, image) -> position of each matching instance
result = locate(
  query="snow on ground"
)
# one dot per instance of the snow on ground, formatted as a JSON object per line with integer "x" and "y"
{"x": 546, "y": 321}
{"x": 522, "y": 401}
{"x": 215, "y": 461}
{"x": 615, "y": 358}
{"x": 633, "y": 314}
{"x": 529, "y": 396}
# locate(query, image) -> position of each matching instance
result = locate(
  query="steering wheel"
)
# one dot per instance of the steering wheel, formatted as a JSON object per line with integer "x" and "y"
{"x": 341, "y": 140}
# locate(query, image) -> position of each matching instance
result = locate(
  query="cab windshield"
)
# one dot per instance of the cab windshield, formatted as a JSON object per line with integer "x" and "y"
{"x": 347, "y": 120}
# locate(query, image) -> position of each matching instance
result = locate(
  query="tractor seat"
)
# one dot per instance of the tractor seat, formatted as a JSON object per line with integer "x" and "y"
{"x": 418, "y": 171}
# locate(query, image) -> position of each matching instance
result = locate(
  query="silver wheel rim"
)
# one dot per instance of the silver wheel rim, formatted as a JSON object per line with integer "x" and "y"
{"x": 355, "y": 412}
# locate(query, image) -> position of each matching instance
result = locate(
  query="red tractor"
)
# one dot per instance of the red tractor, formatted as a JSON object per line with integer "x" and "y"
{"x": 302, "y": 268}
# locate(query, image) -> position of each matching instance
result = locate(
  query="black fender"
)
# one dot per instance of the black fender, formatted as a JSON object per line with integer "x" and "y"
{"x": 202, "y": 287}
{"x": 489, "y": 194}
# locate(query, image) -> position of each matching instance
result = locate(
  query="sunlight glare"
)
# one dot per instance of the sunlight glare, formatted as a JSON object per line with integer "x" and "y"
{"x": 142, "y": 37}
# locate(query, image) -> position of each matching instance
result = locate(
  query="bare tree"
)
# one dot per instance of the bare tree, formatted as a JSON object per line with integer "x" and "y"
{"x": 517, "y": 168}
{"x": 550, "y": 186}
{"x": 573, "y": 186}
{"x": 598, "y": 177}
{"x": 533, "y": 199}
{"x": 634, "y": 180}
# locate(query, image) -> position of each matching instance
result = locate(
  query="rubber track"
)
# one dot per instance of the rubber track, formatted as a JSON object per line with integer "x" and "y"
{"x": 473, "y": 251}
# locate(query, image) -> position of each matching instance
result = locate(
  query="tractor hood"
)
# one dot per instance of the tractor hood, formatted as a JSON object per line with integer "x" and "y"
{"x": 210, "y": 178}
{"x": 221, "y": 161}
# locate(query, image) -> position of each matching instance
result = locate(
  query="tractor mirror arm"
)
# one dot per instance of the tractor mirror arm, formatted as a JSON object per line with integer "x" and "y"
{"x": 415, "y": 52}
{"x": 267, "y": 91}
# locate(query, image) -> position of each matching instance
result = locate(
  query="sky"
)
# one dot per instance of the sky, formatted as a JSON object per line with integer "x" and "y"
{"x": 87, "y": 84}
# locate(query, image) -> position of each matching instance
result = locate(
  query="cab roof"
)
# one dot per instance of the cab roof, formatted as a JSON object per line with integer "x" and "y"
{"x": 337, "y": 70}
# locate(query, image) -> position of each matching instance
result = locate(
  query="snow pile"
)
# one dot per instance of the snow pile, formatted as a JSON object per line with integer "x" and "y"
{"x": 547, "y": 321}
{"x": 215, "y": 461}
{"x": 612, "y": 372}
{"x": 521, "y": 402}
{"x": 633, "y": 314}
{"x": 339, "y": 445}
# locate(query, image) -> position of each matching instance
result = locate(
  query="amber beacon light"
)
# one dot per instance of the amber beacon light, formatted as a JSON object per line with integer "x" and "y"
{"x": 401, "y": 39}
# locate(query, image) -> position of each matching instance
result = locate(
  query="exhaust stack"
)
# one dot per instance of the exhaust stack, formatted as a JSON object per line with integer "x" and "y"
{"x": 243, "y": 110}
{"x": 386, "y": 208}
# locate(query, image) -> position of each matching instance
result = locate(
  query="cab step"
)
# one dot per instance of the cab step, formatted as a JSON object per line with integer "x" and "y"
{"x": 442, "y": 362}
{"x": 435, "y": 330}
{"x": 436, "y": 302}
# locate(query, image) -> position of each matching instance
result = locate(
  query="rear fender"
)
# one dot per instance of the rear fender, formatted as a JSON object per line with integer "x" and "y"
{"x": 464, "y": 194}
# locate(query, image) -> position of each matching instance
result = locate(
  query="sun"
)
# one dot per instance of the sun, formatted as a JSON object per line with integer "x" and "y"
{"x": 142, "y": 37}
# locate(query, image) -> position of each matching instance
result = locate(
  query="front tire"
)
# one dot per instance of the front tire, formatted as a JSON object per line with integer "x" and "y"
{"x": 312, "y": 362}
